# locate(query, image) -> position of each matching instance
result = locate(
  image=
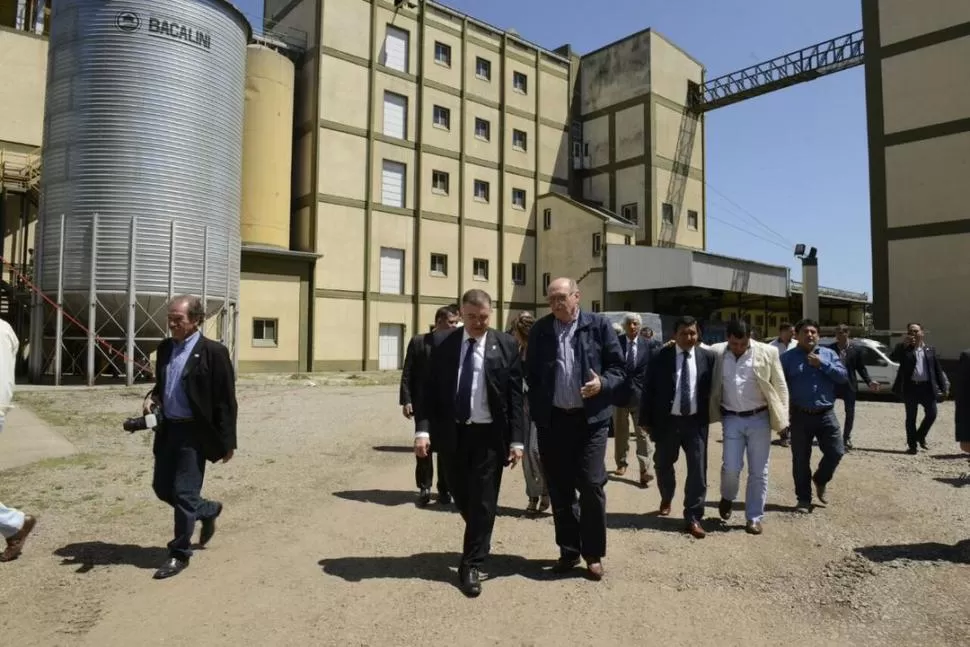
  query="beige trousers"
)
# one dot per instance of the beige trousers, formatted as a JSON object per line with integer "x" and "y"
{"x": 621, "y": 439}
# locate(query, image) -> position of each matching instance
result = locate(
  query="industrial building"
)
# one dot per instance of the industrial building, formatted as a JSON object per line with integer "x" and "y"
{"x": 918, "y": 103}
{"x": 465, "y": 156}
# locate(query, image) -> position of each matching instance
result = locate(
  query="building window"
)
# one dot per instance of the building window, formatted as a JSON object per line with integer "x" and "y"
{"x": 520, "y": 82}
{"x": 519, "y": 140}
{"x": 483, "y": 68}
{"x": 628, "y": 240}
{"x": 481, "y": 190}
{"x": 392, "y": 271}
{"x": 395, "y": 52}
{"x": 483, "y": 129}
{"x": 518, "y": 198}
{"x": 480, "y": 269}
{"x": 631, "y": 212}
{"x": 439, "y": 182}
{"x": 442, "y": 54}
{"x": 393, "y": 176}
{"x": 395, "y": 115}
{"x": 518, "y": 273}
{"x": 442, "y": 117}
{"x": 597, "y": 245}
{"x": 546, "y": 280}
{"x": 439, "y": 265}
{"x": 265, "y": 333}
{"x": 547, "y": 219}
{"x": 692, "y": 220}
{"x": 668, "y": 213}
{"x": 595, "y": 306}
{"x": 759, "y": 320}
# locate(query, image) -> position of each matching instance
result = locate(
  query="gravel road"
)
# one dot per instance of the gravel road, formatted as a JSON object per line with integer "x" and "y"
{"x": 320, "y": 543}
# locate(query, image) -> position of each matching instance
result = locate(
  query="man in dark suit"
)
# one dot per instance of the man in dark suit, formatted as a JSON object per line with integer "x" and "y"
{"x": 919, "y": 382}
{"x": 413, "y": 378}
{"x": 473, "y": 409}
{"x": 961, "y": 394}
{"x": 675, "y": 411}
{"x": 573, "y": 368}
{"x": 636, "y": 351}
{"x": 196, "y": 394}
{"x": 852, "y": 359}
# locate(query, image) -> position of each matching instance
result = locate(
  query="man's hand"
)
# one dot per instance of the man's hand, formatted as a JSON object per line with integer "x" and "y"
{"x": 814, "y": 360}
{"x": 150, "y": 401}
{"x": 874, "y": 386}
{"x": 593, "y": 387}
{"x": 228, "y": 456}
{"x": 670, "y": 342}
{"x": 515, "y": 455}
{"x": 422, "y": 446}
{"x": 408, "y": 411}
{"x": 965, "y": 446}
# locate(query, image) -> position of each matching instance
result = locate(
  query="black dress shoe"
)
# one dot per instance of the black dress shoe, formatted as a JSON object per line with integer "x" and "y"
{"x": 469, "y": 581}
{"x": 209, "y": 528}
{"x": 912, "y": 451}
{"x": 724, "y": 508}
{"x": 565, "y": 564}
{"x": 444, "y": 498}
{"x": 820, "y": 491}
{"x": 923, "y": 444}
{"x": 171, "y": 568}
{"x": 424, "y": 497}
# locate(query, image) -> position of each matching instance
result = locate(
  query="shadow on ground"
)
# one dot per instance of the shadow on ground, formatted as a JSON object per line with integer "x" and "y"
{"x": 88, "y": 554}
{"x": 394, "y": 449}
{"x": 392, "y": 498}
{"x": 432, "y": 567}
{"x": 959, "y": 553}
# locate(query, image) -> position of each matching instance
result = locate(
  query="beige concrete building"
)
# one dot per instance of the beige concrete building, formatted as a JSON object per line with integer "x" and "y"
{"x": 918, "y": 98}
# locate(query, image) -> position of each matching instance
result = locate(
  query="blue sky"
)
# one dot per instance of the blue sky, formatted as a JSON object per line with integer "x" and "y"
{"x": 795, "y": 159}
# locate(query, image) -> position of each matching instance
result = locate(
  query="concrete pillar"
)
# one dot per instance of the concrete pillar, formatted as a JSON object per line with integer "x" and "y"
{"x": 810, "y": 288}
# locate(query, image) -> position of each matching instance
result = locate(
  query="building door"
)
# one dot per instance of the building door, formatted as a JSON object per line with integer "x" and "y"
{"x": 392, "y": 271}
{"x": 390, "y": 340}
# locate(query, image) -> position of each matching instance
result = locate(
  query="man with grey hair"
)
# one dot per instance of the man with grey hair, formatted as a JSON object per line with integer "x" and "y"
{"x": 637, "y": 352}
{"x": 195, "y": 393}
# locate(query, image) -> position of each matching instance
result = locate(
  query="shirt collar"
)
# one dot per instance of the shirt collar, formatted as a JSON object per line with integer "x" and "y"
{"x": 188, "y": 341}
{"x": 465, "y": 336}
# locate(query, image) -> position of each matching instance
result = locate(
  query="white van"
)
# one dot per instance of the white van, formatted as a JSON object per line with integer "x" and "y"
{"x": 875, "y": 356}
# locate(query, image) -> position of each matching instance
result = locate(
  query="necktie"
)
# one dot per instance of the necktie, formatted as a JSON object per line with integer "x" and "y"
{"x": 463, "y": 398}
{"x": 684, "y": 386}
{"x": 630, "y": 362}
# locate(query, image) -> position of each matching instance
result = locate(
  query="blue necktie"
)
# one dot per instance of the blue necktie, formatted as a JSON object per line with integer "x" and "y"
{"x": 631, "y": 364}
{"x": 463, "y": 399}
{"x": 684, "y": 386}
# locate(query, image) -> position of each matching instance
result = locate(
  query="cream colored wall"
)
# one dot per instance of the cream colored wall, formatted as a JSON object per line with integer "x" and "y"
{"x": 397, "y": 232}
{"x": 925, "y": 291}
{"x": 670, "y": 68}
{"x": 23, "y": 74}
{"x": 384, "y": 151}
{"x": 439, "y": 238}
{"x": 481, "y": 243}
{"x": 341, "y": 262}
{"x": 902, "y": 19}
{"x": 338, "y": 335}
{"x": 439, "y": 136}
{"x": 490, "y": 89}
{"x": 668, "y": 125}
{"x": 476, "y": 209}
{"x": 630, "y": 189}
{"x": 523, "y": 159}
{"x": 514, "y": 98}
{"x": 402, "y": 20}
{"x": 346, "y": 25}
{"x": 926, "y": 180}
{"x": 340, "y": 106}
{"x": 553, "y": 91}
{"x": 269, "y": 296}
{"x": 924, "y": 87}
{"x": 629, "y": 133}
{"x": 383, "y": 312}
{"x": 520, "y": 249}
{"x": 596, "y": 134}
{"x": 435, "y": 71}
{"x": 693, "y": 200}
{"x": 597, "y": 188}
{"x": 519, "y": 216}
{"x": 565, "y": 249}
{"x": 478, "y": 147}
{"x": 340, "y": 164}
{"x": 436, "y": 200}
{"x": 554, "y": 153}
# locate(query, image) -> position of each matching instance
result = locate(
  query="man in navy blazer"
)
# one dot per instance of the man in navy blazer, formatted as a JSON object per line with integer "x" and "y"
{"x": 573, "y": 368}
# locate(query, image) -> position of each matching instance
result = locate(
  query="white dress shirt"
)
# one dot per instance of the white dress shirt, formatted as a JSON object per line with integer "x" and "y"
{"x": 782, "y": 346}
{"x": 919, "y": 371}
{"x": 739, "y": 386}
{"x": 480, "y": 413}
{"x": 691, "y": 379}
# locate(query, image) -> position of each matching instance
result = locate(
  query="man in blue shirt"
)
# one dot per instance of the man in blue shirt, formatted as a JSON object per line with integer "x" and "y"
{"x": 812, "y": 373}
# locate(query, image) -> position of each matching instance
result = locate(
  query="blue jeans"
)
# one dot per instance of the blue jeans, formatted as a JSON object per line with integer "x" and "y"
{"x": 805, "y": 428}
{"x": 749, "y": 436}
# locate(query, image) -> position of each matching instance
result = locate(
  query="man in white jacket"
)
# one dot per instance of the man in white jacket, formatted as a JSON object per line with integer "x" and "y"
{"x": 15, "y": 526}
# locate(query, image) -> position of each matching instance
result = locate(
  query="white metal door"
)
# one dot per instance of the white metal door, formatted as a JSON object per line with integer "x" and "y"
{"x": 390, "y": 340}
{"x": 392, "y": 271}
{"x": 396, "y": 49}
{"x": 392, "y": 184}
{"x": 395, "y": 115}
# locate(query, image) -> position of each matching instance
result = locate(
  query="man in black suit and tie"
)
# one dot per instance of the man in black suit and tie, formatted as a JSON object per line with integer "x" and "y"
{"x": 919, "y": 382}
{"x": 675, "y": 411}
{"x": 636, "y": 350}
{"x": 413, "y": 378}
{"x": 573, "y": 368}
{"x": 473, "y": 408}
{"x": 961, "y": 395}
{"x": 852, "y": 359}
{"x": 196, "y": 393}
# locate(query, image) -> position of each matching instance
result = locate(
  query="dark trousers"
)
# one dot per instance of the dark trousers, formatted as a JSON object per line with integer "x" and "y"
{"x": 919, "y": 394}
{"x": 804, "y": 429}
{"x": 573, "y": 454}
{"x": 689, "y": 434}
{"x": 179, "y": 472}
{"x": 474, "y": 477}
{"x": 424, "y": 472}
{"x": 848, "y": 397}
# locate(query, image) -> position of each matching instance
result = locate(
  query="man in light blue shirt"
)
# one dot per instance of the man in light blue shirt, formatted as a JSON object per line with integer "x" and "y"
{"x": 812, "y": 373}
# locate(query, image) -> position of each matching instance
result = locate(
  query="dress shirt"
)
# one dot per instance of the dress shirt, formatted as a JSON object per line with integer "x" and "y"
{"x": 739, "y": 386}
{"x": 691, "y": 379}
{"x": 810, "y": 387}
{"x": 632, "y": 348}
{"x": 569, "y": 381}
{"x": 919, "y": 370}
{"x": 782, "y": 346}
{"x": 175, "y": 402}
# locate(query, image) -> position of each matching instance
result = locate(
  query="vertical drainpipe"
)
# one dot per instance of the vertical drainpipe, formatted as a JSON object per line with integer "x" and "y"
{"x": 369, "y": 184}
{"x": 500, "y": 314}
{"x": 417, "y": 180}
{"x": 463, "y": 126}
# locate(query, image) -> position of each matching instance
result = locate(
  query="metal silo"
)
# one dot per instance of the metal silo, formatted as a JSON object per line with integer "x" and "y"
{"x": 142, "y": 170}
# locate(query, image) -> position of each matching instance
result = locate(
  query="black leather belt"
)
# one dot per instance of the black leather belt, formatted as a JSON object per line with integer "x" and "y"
{"x": 812, "y": 412}
{"x": 570, "y": 412}
{"x": 179, "y": 421}
{"x": 743, "y": 414}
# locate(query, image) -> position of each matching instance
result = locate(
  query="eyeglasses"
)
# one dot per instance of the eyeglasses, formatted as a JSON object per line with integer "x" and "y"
{"x": 559, "y": 298}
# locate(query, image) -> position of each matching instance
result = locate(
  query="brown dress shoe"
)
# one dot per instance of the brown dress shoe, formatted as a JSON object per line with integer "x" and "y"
{"x": 753, "y": 528}
{"x": 694, "y": 530}
{"x": 594, "y": 570}
{"x": 621, "y": 470}
{"x": 645, "y": 479}
{"x": 664, "y": 508}
{"x": 15, "y": 544}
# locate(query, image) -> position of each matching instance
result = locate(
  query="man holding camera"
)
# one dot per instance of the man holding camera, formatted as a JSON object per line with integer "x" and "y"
{"x": 195, "y": 399}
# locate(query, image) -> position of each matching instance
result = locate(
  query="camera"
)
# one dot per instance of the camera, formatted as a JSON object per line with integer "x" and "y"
{"x": 150, "y": 420}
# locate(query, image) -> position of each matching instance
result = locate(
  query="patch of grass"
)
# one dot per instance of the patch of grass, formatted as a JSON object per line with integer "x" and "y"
{"x": 84, "y": 461}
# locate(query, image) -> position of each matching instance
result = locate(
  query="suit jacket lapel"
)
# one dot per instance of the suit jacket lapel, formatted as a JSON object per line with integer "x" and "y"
{"x": 192, "y": 361}
{"x": 493, "y": 357}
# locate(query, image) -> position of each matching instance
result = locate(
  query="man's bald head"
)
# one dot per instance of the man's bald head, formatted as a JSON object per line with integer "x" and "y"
{"x": 563, "y": 297}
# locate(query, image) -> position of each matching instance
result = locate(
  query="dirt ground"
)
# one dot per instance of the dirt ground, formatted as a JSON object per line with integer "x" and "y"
{"x": 320, "y": 543}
